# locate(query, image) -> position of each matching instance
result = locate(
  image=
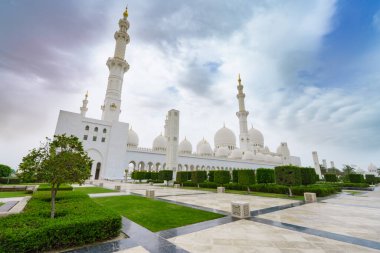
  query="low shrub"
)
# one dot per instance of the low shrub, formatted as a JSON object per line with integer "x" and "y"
{"x": 47, "y": 187}
{"x": 189, "y": 184}
{"x": 356, "y": 178}
{"x": 356, "y": 185}
{"x": 210, "y": 185}
{"x": 79, "y": 220}
{"x": 165, "y": 175}
{"x": 246, "y": 177}
{"x": 235, "y": 177}
{"x": 288, "y": 175}
{"x": 270, "y": 188}
{"x": 198, "y": 176}
{"x": 9, "y": 180}
{"x": 308, "y": 176}
{"x": 235, "y": 186}
{"x": 370, "y": 179}
{"x": 331, "y": 178}
{"x": 264, "y": 176}
{"x": 222, "y": 177}
{"x": 321, "y": 191}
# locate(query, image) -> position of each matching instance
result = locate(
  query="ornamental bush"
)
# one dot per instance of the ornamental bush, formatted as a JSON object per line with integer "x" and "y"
{"x": 246, "y": 177}
{"x": 235, "y": 178}
{"x": 308, "y": 176}
{"x": 211, "y": 175}
{"x": 270, "y": 188}
{"x": 198, "y": 176}
{"x": 235, "y": 186}
{"x": 222, "y": 177}
{"x": 370, "y": 179}
{"x": 189, "y": 184}
{"x": 9, "y": 180}
{"x": 47, "y": 187}
{"x": 264, "y": 176}
{"x": 165, "y": 175}
{"x": 320, "y": 190}
{"x": 181, "y": 177}
{"x": 79, "y": 220}
{"x": 154, "y": 176}
{"x": 288, "y": 175}
{"x": 356, "y": 178}
{"x": 211, "y": 185}
{"x": 331, "y": 178}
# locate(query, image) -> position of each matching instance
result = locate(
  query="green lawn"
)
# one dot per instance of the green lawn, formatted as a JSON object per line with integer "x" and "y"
{"x": 260, "y": 194}
{"x": 353, "y": 192}
{"x": 89, "y": 190}
{"x": 155, "y": 215}
{"x": 13, "y": 194}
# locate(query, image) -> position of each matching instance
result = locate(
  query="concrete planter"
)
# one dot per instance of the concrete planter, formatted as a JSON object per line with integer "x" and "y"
{"x": 240, "y": 209}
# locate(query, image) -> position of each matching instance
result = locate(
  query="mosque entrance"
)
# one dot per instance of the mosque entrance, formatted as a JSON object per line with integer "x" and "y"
{"x": 97, "y": 172}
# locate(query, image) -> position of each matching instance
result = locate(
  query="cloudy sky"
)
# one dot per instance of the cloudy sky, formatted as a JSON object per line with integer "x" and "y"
{"x": 310, "y": 68}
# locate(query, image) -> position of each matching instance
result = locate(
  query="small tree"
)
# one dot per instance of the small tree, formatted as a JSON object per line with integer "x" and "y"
{"x": 181, "y": 177}
{"x": 222, "y": 177}
{"x": 246, "y": 178}
{"x": 5, "y": 170}
{"x": 198, "y": 176}
{"x": 60, "y": 161}
{"x": 165, "y": 175}
{"x": 265, "y": 176}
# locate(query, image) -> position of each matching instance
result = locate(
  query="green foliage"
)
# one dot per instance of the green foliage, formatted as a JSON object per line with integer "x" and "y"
{"x": 165, "y": 175}
{"x": 320, "y": 190}
{"x": 331, "y": 177}
{"x": 222, "y": 177}
{"x": 235, "y": 175}
{"x": 246, "y": 177}
{"x": 79, "y": 221}
{"x": 308, "y": 176}
{"x": 264, "y": 176}
{"x": 140, "y": 175}
{"x": 211, "y": 175}
{"x": 198, "y": 176}
{"x": 5, "y": 170}
{"x": 57, "y": 162}
{"x": 236, "y": 187}
{"x": 348, "y": 170}
{"x": 210, "y": 185}
{"x": 47, "y": 187}
{"x": 356, "y": 178}
{"x": 181, "y": 177}
{"x": 288, "y": 175}
{"x": 370, "y": 179}
{"x": 154, "y": 175}
{"x": 270, "y": 188}
{"x": 9, "y": 180}
{"x": 189, "y": 184}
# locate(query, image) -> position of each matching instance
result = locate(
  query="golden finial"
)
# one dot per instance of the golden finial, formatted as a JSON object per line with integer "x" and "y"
{"x": 125, "y": 14}
{"x": 239, "y": 79}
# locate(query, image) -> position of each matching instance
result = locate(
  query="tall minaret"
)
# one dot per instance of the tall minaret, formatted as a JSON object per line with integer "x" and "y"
{"x": 242, "y": 115}
{"x": 316, "y": 164}
{"x": 84, "y": 109}
{"x": 117, "y": 67}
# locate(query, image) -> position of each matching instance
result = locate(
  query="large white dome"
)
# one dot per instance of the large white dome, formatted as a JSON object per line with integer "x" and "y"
{"x": 133, "y": 139}
{"x": 256, "y": 138}
{"x": 236, "y": 154}
{"x": 224, "y": 137}
{"x": 248, "y": 155}
{"x": 222, "y": 152}
{"x": 185, "y": 147}
{"x": 204, "y": 148}
{"x": 159, "y": 143}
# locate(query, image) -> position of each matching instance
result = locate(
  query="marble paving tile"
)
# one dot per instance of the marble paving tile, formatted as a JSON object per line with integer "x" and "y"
{"x": 138, "y": 249}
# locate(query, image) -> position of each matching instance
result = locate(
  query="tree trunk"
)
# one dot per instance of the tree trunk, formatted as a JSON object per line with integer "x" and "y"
{"x": 53, "y": 194}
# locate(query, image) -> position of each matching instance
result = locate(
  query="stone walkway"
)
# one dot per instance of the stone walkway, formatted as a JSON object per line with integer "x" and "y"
{"x": 341, "y": 224}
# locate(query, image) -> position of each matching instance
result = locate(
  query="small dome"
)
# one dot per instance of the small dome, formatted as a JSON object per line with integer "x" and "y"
{"x": 204, "y": 148}
{"x": 133, "y": 139}
{"x": 256, "y": 138}
{"x": 185, "y": 147}
{"x": 224, "y": 137}
{"x": 236, "y": 154}
{"x": 159, "y": 143}
{"x": 283, "y": 149}
{"x": 248, "y": 155}
{"x": 222, "y": 152}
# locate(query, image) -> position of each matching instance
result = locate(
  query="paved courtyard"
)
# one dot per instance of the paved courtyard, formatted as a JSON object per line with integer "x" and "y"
{"x": 343, "y": 223}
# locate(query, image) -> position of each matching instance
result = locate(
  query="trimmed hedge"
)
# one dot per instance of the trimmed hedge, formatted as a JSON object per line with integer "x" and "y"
{"x": 331, "y": 178}
{"x": 222, "y": 177}
{"x": 211, "y": 185}
{"x": 165, "y": 175}
{"x": 356, "y": 178}
{"x": 288, "y": 175}
{"x": 321, "y": 191}
{"x": 79, "y": 221}
{"x": 198, "y": 176}
{"x": 9, "y": 180}
{"x": 370, "y": 179}
{"x": 246, "y": 177}
{"x": 270, "y": 188}
{"x": 189, "y": 184}
{"x": 235, "y": 177}
{"x": 236, "y": 186}
{"x": 308, "y": 176}
{"x": 47, "y": 187}
{"x": 264, "y": 176}
{"x": 181, "y": 177}
{"x": 154, "y": 175}
{"x": 211, "y": 175}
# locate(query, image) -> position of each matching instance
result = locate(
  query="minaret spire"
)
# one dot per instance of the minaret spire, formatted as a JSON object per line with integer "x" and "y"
{"x": 117, "y": 66}
{"x": 242, "y": 114}
{"x": 84, "y": 109}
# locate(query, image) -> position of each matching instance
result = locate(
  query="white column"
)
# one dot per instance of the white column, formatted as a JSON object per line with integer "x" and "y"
{"x": 316, "y": 164}
{"x": 242, "y": 114}
{"x": 172, "y": 128}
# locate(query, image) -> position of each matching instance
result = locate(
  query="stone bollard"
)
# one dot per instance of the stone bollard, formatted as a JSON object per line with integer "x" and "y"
{"x": 149, "y": 194}
{"x": 150, "y": 183}
{"x": 177, "y": 185}
{"x": 117, "y": 188}
{"x": 100, "y": 184}
{"x": 310, "y": 197}
{"x": 220, "y": 190}
{"x": 240, "y": 209}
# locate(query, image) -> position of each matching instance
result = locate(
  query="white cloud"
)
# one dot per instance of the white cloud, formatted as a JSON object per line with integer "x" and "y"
{"x": 376, "y": 20}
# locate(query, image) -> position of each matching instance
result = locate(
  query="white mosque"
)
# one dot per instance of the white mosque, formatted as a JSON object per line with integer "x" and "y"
{"x": 114, "y": 146}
